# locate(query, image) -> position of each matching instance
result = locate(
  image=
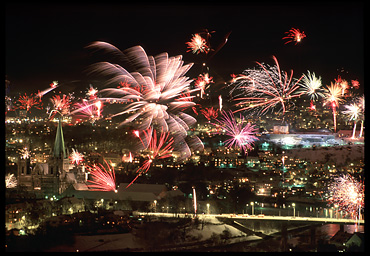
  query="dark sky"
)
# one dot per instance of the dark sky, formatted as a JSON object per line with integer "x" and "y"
{"x": 46, "y": 42}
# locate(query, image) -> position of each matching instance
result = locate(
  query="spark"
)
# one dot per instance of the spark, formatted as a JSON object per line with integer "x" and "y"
{"x": 295, "y": 35}
{"x": 265, "y": 88}
{"x": 103, "y": 179}
{"x": 348, "y": 194}
{"x": 352, "y": 112}
{"x": 198, "y": 44}
{"x": 242, "y": 134}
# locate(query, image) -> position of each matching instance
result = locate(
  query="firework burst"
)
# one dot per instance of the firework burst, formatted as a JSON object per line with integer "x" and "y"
{"x": 27, "y": 102}
{"x": 155, "y": 94}
{"x": 203, "y": 82}
{"x": 348, "y": 194}
{"x": 333, "y": 96}
{"x": 61, "y": 105}
{"x": 209, "y": 113}
{"x": 10, "y": 181}
{"x": 311, "y": 86}
{"x": 241, "y": 133}
{"x": 265, "y": 88}
{"x": 103, "y": 179}
{"x": 156, "y": 89}
{"x": 198, "y": 44}
{"x": 76, "y": 157}
{"x": 155, "y": 148}
{"x": 294, "y": 35}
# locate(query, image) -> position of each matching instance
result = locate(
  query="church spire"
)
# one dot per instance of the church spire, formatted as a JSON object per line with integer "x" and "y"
{"x": 59, "y": 149}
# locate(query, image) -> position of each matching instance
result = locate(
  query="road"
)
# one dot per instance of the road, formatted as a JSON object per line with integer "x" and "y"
{"x": 255, "y": 217}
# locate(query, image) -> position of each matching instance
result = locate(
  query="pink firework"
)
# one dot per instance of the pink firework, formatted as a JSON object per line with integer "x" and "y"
{"x": 265, "y": 88}
{"x": 294, "y": 35}
{"x": 76, "y": 157}
{"x": 156, "y": 149}
{"x": 86, "y": 109}
{"x": 209, "y": 113}
{"x": 103, "y": 179}
{"x": 241, "y": 133}
{"x": 347, "y": 194}
{"x": 27, "y": 102}
{"x": 198, "y": 44}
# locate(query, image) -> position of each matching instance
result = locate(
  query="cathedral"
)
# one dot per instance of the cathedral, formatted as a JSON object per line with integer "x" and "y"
{"x": 53, "y": 177}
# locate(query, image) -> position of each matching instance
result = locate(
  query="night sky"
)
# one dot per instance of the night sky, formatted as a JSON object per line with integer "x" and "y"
{"x": 46, "y": 42}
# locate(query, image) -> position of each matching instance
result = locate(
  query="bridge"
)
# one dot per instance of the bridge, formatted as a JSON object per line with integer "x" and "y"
{"x": 256, "y": 217}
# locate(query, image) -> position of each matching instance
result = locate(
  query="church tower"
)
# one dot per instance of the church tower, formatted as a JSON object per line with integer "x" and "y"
{"x": 59, "y": 163}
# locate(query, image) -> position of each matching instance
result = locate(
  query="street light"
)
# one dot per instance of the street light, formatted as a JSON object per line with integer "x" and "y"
{"x": 252, "y": 208}
{"x": 293, "y": 204}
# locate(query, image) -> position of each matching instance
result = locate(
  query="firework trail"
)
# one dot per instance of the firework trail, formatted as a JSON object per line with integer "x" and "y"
{"x": 156, "y": 148}
{"x": 294, "y": 35}
{"x": 311, "y": 86}
{"x": 241, "y": 133}
{"x": 265, "y": 88}
{"x": 76, "y": 157}
{"x": 10, "y": 181}
{"x": 333, "y": 97}
{"x": 53, "y": 85}
{"x": 348, "y": 194}
{"x": 103, "y": 179}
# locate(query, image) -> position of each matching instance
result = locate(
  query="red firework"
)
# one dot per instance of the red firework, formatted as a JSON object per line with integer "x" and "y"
{"x": 294, "y": 35}
{"x": 157, "y": 149}
{"x": 61, "y": 104}
{"x": 27, "y": 102}
{"x": 103, "y": 179}
{"x": 209, "y": 113}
